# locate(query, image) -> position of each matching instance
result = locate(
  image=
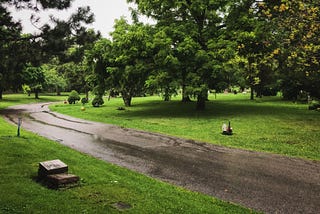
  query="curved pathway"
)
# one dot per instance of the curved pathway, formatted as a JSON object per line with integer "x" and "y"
{"x": 264, "y": 182}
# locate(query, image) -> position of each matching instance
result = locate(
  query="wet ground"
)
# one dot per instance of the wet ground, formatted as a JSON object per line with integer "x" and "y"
{"x": 264, "y": 182}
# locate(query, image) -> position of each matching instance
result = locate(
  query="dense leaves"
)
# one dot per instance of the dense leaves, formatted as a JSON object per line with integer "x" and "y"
{"x": 193, "y": 47}
{"x": 18, "y": 51}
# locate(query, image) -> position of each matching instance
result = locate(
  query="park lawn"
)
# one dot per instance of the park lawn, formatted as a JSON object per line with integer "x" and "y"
{"x": 102, "y": 184}
{"x": 266, "y": 124}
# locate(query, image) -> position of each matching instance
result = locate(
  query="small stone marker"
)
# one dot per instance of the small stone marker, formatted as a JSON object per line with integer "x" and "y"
{"x": 51, "y": 167}
{"x": 55, "y": 174}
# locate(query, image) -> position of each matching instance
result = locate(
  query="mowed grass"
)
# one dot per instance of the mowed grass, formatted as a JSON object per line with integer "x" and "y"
{"x": 102, "y": 185}
{"x": 268, "y": 124}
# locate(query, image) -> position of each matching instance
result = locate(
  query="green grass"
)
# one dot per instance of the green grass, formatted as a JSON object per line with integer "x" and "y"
{"x": 101, "y": 186}
{"x": 268, "y": 124}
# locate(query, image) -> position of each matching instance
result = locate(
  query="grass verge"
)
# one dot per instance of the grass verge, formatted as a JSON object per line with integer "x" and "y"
{"x": 103, "y": 187}
{"x": 268, "y": 124}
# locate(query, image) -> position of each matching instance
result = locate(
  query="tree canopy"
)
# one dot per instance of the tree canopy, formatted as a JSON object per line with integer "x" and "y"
{"x": 193, "y": 47}
{"x": 19, "y": 50}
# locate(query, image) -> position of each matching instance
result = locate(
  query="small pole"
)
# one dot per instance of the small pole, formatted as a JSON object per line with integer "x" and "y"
{"x": 19, "y": 125}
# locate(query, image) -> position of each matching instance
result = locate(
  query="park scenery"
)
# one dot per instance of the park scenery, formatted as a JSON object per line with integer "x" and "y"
{"x": 212, "y": 107}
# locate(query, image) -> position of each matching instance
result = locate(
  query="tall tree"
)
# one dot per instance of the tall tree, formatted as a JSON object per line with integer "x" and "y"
{"x": 132, "y": 59}
{"x": 253, "y": 34}
{"x": 192, "y": 23}
{"x": 98, "y": 59}
{"x": 52, "y": 40}
{"x": 296, "y": 28}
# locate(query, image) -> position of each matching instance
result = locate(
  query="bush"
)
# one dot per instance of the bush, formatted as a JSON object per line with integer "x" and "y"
{"x": 97, "y": 101}
{"x": 26, "y": 89}
{"x": 84, "y": 100}
{"x": 73, "y": 97}
{"x": 315, "y": 105}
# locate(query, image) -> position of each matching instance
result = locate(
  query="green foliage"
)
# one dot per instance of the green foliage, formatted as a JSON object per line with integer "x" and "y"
{"x": 296, "y": 25}
{"x": 97, "y": 59}
{"x": 131, "y": 59}
{"x": 84, "y": 100}
{"x": 97, "y": 101}
{"x": 19, "y": 51}
{"x": 73, "y": 97}
{"x": 53, "y": 81}
{"x": 26, "y": 89}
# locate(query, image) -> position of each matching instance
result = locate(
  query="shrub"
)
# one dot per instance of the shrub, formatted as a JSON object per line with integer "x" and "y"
{"x": 314, "y": 105}
{"x": 97, "y": 101}
{"x": 84, "y": 100}
{"x": 73, "y": 97}
{"x": 26, "y": 89}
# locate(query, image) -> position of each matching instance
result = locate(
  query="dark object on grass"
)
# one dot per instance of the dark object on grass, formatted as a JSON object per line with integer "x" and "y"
{"x": 121, "y": 108}
{"x": 227, "y": 130}
{"x": 54, "y": 174}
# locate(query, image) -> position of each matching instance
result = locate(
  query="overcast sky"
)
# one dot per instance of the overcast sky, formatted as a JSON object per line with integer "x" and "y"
{"x": 106, "y": 11}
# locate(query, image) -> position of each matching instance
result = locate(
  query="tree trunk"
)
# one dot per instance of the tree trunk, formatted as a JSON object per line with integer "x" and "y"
{"x": 201, "y": 102}
{"x": 87, "y": 94}
{"x": 127, "y": 99}
{"x": 185, "y": 97}
{"x": 58, "y": 91}
{"x": 166, "y": 95}
{"x": 252, "y": 93}
{"x": 36, "y": 94}
{"x": 1, "y": 92}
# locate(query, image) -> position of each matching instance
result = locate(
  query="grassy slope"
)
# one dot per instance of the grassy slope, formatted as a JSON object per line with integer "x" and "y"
{"x": 102, "y": 184}
{"x": 267, "y": 124}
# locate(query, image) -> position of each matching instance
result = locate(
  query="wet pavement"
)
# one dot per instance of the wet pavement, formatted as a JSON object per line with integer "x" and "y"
{"x": 264, "y": 182}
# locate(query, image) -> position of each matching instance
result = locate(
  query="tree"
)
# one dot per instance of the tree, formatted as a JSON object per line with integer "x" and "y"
{"x": 9, "y": 64}
{"x": 296, "y": 28}
{"x": 163, "y": 78}
{"x": 253, "y": 34}
{"x": 190, "y": 25}
{"x": 34, "y": 77}
{"x": 53, "y": 81}
{"x": 52, "y": 41}
{"x": 97, "y": 60}
{"x": 131, "y": 58}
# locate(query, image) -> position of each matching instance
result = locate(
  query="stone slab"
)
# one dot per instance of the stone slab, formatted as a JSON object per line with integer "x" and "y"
{"x": 51, "y": 167}
{"x": 58, "y": 180}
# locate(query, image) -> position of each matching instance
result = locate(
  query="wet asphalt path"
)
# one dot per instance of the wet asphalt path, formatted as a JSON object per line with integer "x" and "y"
{"x": 264, "y": 182}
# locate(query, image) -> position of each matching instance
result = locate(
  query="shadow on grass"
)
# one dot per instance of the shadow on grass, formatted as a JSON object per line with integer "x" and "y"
{"x": 214, "y": 108}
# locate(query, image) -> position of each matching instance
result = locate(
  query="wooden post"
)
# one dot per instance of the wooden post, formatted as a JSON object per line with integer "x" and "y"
{"x": 19, "y": 125}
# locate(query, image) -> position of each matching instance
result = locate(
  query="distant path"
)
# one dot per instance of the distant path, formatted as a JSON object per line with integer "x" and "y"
{"x": 265, "y": 182}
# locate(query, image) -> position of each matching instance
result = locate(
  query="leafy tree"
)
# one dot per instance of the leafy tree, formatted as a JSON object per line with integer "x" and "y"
{"x": 97, "y": 60}
{"x": 190, "y": 25}
{"x": 52, "y": 41}
{"x": 35, "y": 78}
{"x": 296, "y": 28}
{"x": 10, "y": 64}
{"x": 253, "y": 34}
{"x": 163, "y": 78}
{"x": 53, "y": 81}
{"x": 131, "y": 58}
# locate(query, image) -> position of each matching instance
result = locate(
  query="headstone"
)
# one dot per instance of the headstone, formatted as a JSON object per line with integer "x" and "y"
{"x": 60, "y": 180}
{"x": 54, "y": 174}
{"x": 51, "y": 167}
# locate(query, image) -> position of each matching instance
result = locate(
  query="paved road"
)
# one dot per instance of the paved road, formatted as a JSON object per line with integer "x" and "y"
{"x": 264, "y": 182}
